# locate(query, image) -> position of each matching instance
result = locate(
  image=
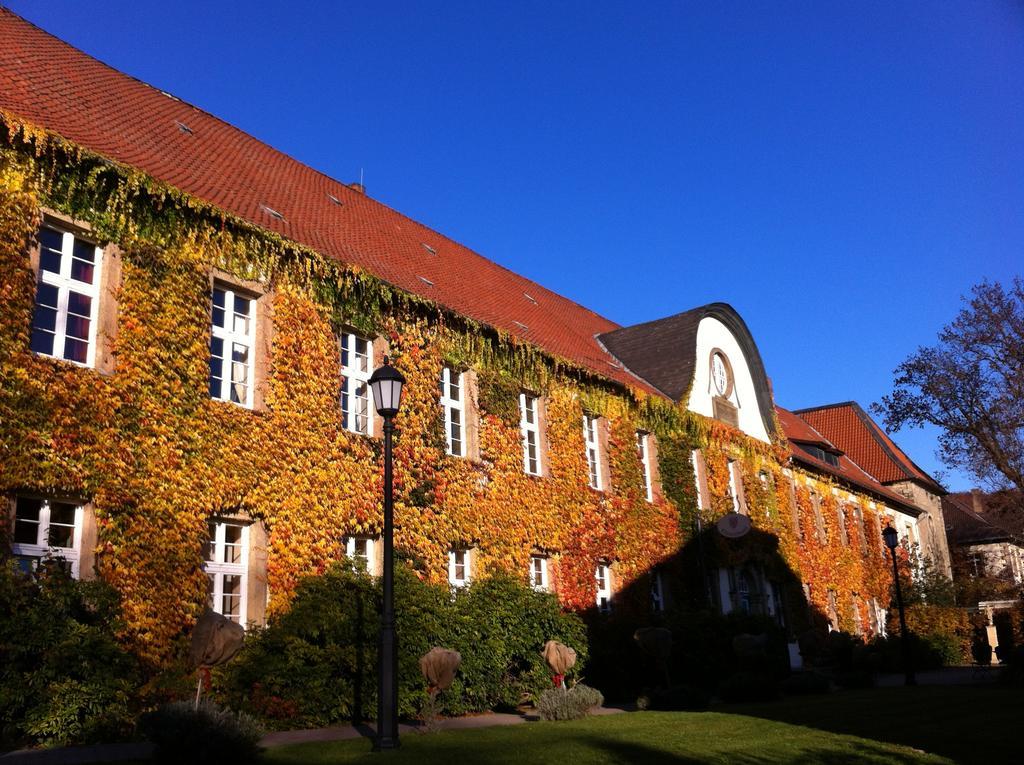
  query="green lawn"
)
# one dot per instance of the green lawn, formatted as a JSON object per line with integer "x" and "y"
{"x": 641, "y": 737}
{"x": 968, "y": 724}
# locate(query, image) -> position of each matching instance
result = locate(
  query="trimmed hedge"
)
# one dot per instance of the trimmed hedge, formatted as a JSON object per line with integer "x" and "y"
{"x": 315, "y": 664}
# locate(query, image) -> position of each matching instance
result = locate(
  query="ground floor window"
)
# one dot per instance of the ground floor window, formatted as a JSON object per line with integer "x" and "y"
{"x": 226, "y": 567}
{"x": 539, "y": 572}
{"x": 46, "y": 528}
{"x": 458, "y": 568}
{"x": 362, "y": 551}
{"x": 657, "y": 593}
{"x": 747, "y": 589}
{"x": 603, "y": 579}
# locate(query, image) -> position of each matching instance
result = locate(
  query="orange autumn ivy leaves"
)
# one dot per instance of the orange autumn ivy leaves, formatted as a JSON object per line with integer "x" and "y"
{"x": 494, "y": 506}
{"x": 809, "y": 541}
{"x": 158, "y": 458}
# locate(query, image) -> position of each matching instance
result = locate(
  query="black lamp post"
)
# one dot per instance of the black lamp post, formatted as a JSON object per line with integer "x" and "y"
{"x": 892, "y": 541}
{"x": 386, "y": 384}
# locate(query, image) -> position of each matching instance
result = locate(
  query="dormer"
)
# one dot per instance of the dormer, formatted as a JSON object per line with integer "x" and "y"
{"x": 706, "y": 357}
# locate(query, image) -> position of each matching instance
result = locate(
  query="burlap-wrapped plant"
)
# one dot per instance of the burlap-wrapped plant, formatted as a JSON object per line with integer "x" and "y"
{"x": 657, "y": 643}
{"x": 215, "y": 640}
{"x": 560, "y": 659}
{"x": 439, "y": 666}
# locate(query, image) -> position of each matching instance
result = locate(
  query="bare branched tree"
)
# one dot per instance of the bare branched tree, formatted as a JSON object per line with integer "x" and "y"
{"x": 971, "y": 385}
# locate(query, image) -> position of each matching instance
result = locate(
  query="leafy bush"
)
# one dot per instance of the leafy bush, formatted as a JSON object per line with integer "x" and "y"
{"x": 568, "y": 704}
{"x": 805, "y": 683}
{"x": 927, "y": 651}
{"x": 744, "y": 687}
{"x": 500, "y": 627}
{"x": 312, "y": 665}
{"x": 678, "y": 698}
{"x": 315, "y": 664}
{"x": 946, "y": 631}
{"x": 702, "y": 652}
{"x": 209, "y": 734}
{"x": 64, "y": 678}
{"x": 1012, "y": 673}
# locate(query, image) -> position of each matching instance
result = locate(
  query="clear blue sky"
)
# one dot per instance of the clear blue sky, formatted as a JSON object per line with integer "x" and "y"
{"x": 839, "y": 172}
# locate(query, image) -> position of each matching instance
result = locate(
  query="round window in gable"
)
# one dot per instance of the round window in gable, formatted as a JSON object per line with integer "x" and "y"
{"x": 721, "y": 374}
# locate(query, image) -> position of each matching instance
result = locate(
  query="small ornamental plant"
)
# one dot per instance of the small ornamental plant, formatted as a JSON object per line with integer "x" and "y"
{"x": 568, "y": 703}
{"x": 199, "y": 734}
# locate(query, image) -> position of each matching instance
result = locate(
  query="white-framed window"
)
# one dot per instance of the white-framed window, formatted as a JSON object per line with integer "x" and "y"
{"x": 591, "y": 437}
{"x": 362, "y": 552}
{"x": 734, "y": 482}
{"x": 232, "y": 340}
{"x": 356, "y": 368}
{"x": 844, "y": 538}
{"x": 529, "y": 426}
{"x": 67, "y": 297}
{"x": 603, "y": 579}
{"x": 225, "y": 562}
{"x": 458, "y": 567}
{"x": 819, "y": 519}
{"x": 453, "y": 402}
{"x": 539, "y": 572}
{"x": 46, "y": 528}
{"x": 657, "y": 593}
{"x": 766, "y": 485}
{"x": 695, "y": 461}
{"x": 643, "y": 445}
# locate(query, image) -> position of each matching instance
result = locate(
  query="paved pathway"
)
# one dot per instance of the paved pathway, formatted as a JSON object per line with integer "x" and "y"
{"x": 945, "y": 676}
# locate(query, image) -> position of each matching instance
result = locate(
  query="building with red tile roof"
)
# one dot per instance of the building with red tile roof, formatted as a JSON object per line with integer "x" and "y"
{"x": 703, "y": 360}
{"x": 851, "y": 429}
{"x": 815, "y": 452}
{"x": 53, "y": 85}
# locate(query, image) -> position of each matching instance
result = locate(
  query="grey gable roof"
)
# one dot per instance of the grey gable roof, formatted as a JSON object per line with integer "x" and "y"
{"x": 664, "y": 352}
{"x": 964, "y": 526}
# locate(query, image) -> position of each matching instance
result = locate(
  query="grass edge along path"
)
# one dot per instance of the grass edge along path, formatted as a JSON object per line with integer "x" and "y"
{"x": 639, "y": 737}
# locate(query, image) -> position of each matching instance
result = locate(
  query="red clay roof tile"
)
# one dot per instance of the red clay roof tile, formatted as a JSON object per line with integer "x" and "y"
{"x": 848, "y": 426}
{"x": 797, "y": 430}
{"x": 45, "y": 81}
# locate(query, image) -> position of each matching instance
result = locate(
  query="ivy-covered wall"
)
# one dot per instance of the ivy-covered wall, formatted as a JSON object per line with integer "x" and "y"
{"x": 157, "y": 457}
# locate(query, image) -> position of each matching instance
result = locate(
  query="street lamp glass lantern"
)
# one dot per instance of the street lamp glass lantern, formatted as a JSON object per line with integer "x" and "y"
{"x": 891, "y": 538}
{"x": 386, "y": 383}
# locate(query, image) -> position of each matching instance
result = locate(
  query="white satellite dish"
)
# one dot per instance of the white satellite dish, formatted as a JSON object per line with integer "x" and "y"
{"x": 733, "y": 525}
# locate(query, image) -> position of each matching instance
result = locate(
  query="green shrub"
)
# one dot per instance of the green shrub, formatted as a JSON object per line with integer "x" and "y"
{"x": 568, "y": 704}
{"x": 947, "y": 632}
{"x": 927, "y": 651}
{"x": 500, "y": 627}
{"x": 679, "y": 698}
{"x": 64, "y": 679}
{"x": 209, "y": 734}
{"x": 1012, "y": 673}
{"x": 702, "y": 652}
{"x": 805, "y": 683}
{"x": 315, "y": 664}
{"x": 744, "y": 687}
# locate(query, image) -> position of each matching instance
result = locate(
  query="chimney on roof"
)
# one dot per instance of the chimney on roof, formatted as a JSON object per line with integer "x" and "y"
{"x": 358, "y": 187}
{"x": 978, "y": 500}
